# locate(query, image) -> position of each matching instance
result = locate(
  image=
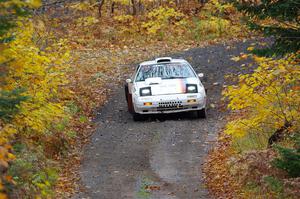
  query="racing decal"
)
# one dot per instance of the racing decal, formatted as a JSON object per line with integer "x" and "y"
{"x": 181, "y": 86}
{"x": 174, "y": 86}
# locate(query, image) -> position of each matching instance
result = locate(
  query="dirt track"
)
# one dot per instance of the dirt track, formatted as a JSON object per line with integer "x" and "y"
{"x": 159, "y": 158}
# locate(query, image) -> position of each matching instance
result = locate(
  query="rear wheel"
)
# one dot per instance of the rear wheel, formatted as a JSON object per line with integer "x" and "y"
{"x": 201, "y": 113}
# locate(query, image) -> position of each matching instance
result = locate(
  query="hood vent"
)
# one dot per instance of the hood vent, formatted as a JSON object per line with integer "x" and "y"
{"x": 163, "y": 59}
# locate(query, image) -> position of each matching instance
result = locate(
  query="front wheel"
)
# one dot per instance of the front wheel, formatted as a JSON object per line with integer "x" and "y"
{"x": 201, "y": 113}
{"x": 126, "y": 92}
{"x": 137, "y": 117}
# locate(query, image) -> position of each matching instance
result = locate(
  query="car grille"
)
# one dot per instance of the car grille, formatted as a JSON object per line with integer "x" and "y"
{"x": 170, "y": 105}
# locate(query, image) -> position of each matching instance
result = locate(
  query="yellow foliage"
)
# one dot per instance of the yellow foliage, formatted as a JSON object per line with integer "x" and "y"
{"x": 267, "y": 98}
{"x": 251, "y": 48}
{"x": 2, "y": 195}
{"x": 35, "y": 3}
{"x": 87, "y": 21}
{"x": 217, "y": 6}
{"x": 214, "y": 25}
{"x": 42, "y": 75}
{"x": 5, "y": 157}
{"x": 161, "y": 18}
{"x": 123, "y": 2}
{"x": 82, "y": 6}
{"x": 8, "y": 9}
{"x": 123, "y": 18}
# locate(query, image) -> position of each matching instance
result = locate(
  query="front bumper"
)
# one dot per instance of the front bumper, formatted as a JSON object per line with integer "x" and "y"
{"x": 169, "y": 103}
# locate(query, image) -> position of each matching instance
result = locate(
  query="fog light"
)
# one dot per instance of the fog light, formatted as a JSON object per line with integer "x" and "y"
{"x": 191, "y": 100}
{"x": 147, "y": 103}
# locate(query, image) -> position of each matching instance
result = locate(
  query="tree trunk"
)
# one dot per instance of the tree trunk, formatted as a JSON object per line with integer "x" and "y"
{"x": 100, "y": 5}
{"x": 112, "y": 10}
{"x": 279, "y": 134}
{"x": 140, "y": 7}
{"x": 202, "y": 2}
{"x": 133, "y": 7}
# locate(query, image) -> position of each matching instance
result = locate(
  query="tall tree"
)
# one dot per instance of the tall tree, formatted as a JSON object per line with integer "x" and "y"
{"x": 9, "y": 13}
{"x": 100, "y": 5}
{"x": 274, "y": 18}
{"x": 133, "y": 3}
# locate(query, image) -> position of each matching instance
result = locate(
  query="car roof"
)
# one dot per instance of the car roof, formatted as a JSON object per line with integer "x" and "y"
{"x": 163, "y": 60}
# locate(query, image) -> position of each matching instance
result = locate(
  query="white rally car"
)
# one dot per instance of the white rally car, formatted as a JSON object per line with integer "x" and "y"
{"x": 165, "y": 85}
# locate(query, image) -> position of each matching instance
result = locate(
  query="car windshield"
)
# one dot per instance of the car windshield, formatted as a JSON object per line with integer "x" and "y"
{"x": 165, "y": 71}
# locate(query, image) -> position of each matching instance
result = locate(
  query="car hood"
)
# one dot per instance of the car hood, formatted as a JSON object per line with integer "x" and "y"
{"x": 167, "y": 86}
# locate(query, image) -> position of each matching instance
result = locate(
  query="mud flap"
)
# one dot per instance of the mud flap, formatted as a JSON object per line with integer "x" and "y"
{"x": 129, "y": 100}
{"x": 130, "y": 104}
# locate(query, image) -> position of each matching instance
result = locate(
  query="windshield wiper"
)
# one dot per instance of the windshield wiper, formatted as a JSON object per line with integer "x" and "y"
{"x": 175, "y": 77}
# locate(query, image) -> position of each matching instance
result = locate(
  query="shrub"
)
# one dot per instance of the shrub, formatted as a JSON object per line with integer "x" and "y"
{"x": 159, "y": 20}
{"x": 32, "y": 173}
{"x": 211, "y": 28}
{"x": 289, "y": 160}
{"x": 274, "y": 184}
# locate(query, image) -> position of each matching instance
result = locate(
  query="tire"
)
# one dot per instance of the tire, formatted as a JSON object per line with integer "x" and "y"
{"x": 126, "y": 92}
{"x": 137, "y": 117}
{"x": 201, "y": 113}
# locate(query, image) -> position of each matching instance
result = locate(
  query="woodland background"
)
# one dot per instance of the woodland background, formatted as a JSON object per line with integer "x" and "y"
{"x": 60, "y": 59}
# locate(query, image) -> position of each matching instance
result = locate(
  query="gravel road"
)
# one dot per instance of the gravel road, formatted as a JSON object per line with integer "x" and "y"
{"x": 159, "y": 158}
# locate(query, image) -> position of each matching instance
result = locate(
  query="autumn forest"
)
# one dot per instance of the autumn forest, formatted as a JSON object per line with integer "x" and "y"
{"x": 61, "y": 61}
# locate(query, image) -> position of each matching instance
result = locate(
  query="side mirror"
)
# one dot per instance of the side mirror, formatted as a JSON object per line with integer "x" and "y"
{"x": 128, "y": 81}
{"x": 200, "y": 75}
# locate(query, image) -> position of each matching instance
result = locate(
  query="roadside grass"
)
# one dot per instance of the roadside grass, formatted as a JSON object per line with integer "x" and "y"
{"x": 245, "y": 169}
{"x": 257, "y": 141}
{"x": 251, "y": 141}
{"x": 143, "y": 192}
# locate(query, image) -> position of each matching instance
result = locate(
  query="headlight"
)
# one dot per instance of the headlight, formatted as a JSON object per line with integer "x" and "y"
{"x": 191, "y": 88}
{"x": 145, "y": 91}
